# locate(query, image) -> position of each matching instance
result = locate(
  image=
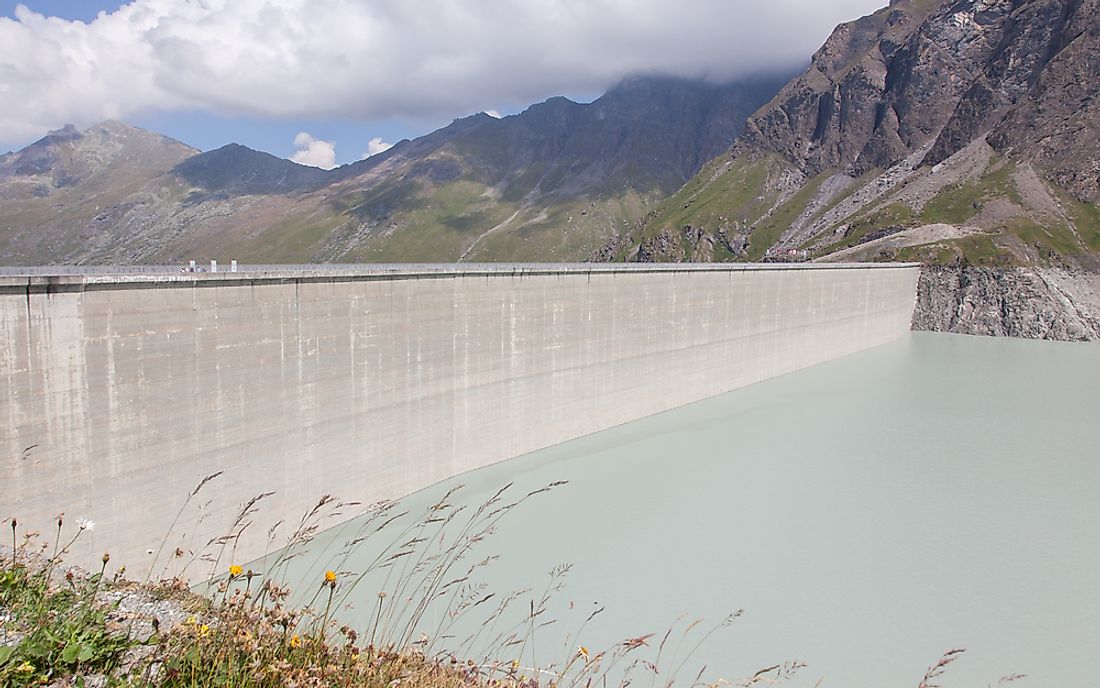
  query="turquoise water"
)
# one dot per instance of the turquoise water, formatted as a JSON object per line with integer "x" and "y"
{"x": 867, "y": 514}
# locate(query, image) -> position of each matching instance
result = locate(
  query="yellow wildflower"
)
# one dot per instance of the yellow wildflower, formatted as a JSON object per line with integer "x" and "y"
{"x": 295, "y": 641}
{"x": 235, "y": 571}
{"x": 203, "y": 630}
{"x": 330, "y": 576}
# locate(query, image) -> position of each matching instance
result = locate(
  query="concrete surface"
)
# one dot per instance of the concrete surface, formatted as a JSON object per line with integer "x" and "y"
{"x": 371, "y": 383}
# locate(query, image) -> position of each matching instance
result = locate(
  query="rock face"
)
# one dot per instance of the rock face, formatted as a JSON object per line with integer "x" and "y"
{"x": 1054, "y": 120}
{"x": 920, "y": 73}
{"x": 871, "y": 94}
{"x": 1033, "y": 303}
{"x": 979, "y": 114}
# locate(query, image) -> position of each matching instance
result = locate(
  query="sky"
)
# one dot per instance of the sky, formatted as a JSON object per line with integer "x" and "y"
{"x": 328, "y": 82}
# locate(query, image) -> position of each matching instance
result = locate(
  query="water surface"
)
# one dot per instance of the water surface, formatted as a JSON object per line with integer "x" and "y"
{"x": 867, "y": 514}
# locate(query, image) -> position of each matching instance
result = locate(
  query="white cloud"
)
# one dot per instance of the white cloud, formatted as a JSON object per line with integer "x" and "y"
{"x": 314, "y": 152}
{"x": 376, "y": 146}
{"x": 374, "y": 59}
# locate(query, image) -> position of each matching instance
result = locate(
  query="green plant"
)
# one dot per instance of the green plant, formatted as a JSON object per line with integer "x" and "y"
{"x": 61, "y": 629}
{"x": 246, "y": 633}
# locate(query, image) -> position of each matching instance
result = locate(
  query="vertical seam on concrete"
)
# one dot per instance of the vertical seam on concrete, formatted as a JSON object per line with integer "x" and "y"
{"x": 30, "y": 327}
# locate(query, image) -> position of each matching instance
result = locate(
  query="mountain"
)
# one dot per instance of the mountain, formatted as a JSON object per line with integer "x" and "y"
{"x": 235, "y": 170}
{"x": 554, "y": 182}
{"x": 945, "y": 132}
{"x": 62, "y": 195}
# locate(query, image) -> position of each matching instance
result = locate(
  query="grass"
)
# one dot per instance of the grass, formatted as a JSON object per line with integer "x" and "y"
{"x": 929, "y": 254}
{"x": 1085, "y": 217}
{"x": 245, "y": 634}
{"x": 244, "y": 639}
{"x": 1057, "y": 239}
{"x": 722, "y": 254}
{"x": 960, "y": 203}
{"x": 769, "y": 232}
{"x": 563, "y": 230}
{"x": 956, "y": 205}
{"x": 62, "y": 625}
{"x": 895, "y": 214}
{"x": 839, "y": 198}
{"x": 717, "y": 197}
{"x": 444, "y": 220}
{"x": 1021, "y": 239}
{"x": 981, "y": 250}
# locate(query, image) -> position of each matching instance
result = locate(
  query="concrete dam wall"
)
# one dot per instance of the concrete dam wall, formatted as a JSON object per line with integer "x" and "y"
{"x": 371, "y": 383}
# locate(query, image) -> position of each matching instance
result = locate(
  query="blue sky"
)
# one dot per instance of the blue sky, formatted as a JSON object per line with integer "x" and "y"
{"x": 324, "y": 81}
{"x": 83, "y": 10}
{"x": 207, "y": 131}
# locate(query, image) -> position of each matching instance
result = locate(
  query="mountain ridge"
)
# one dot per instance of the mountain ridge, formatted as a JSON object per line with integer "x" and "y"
{"x": 550, "y": 183}
{"x": 932, "y": 131}
{"x": 938, "y": 131}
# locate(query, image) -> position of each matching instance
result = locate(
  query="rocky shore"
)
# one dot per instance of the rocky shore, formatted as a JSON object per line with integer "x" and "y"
{"x": 1035, "y": 303}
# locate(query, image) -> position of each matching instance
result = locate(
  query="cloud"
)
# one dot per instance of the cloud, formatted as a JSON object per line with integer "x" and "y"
{"x": 493, "y": 113}
{"x": 376, "y": 146}
{"x": 376, "y": 59}
{"x": 314, "y": 152}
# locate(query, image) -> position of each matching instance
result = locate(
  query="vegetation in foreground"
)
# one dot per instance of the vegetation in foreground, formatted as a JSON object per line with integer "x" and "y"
{"x": 60, "y": 626}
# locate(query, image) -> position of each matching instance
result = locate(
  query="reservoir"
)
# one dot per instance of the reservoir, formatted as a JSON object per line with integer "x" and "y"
{"x": 867, "y": 514}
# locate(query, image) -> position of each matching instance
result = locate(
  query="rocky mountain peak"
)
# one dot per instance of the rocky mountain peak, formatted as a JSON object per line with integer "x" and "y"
{"x": 66, "y": 133}
{"x": 927, "y": 130}
{"x": 556, "y": 113}
{"x": 67, "y": 156}
{"x": 112, "y": 127}
{"x": 1037, "y": 95}
{"x": 920, "y": 74}
{"x": 240, "y": 170}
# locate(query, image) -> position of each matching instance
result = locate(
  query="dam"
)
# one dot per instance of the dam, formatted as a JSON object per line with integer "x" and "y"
{"x": 121, "y": 390}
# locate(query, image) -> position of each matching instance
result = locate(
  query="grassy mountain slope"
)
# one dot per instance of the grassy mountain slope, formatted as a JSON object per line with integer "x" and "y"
{"x": 552, "y": 183}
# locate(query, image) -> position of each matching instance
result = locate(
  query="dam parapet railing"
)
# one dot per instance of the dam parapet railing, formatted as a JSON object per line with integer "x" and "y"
{"x": 177, "y": 272}
{"x": 370, "y": 382}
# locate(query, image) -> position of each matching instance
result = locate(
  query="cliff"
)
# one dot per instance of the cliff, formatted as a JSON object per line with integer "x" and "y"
{"x": 1037, "y": 303}
{"x": 979, "y": 118}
